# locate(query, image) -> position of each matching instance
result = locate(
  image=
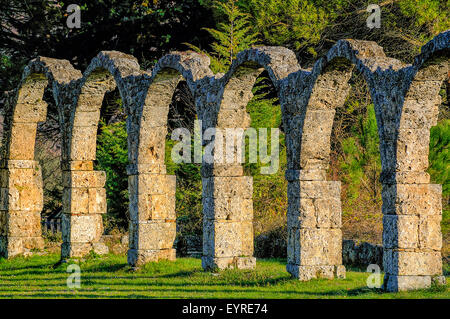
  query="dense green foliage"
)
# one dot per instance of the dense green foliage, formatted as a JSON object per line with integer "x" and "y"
{"x": 112, "y": 157}
{"x": 439, "y": 155}
{"x": 110, "y": 277}
{"x": 310, "y": 27}
{"x": 361, "y": 153}
{"x": 440, "y": 170}
{"x": 145, "y": 28}
{"x": 232, "y": 35}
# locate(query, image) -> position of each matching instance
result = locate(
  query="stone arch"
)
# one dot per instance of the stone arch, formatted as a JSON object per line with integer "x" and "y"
{"x": 314, "y": 203}
{"x": 405, "y": 99}
{"x": 227, "y": 193}
{"x": 84, "y": 197}
{"x": 412, "y": 206}
{"x": 152, "y": 190}
{"x": 21, "y": 178}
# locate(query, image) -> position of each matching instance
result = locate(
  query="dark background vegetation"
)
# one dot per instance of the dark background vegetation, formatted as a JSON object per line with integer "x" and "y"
{"x": 149, "y": 29}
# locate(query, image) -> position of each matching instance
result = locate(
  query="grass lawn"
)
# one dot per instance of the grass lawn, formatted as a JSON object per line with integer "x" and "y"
{"x": 110, "y": 277}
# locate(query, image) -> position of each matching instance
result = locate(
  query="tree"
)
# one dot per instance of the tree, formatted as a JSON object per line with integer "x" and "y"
{"x": 146, "y": 29}
{"x": 112, "y": 157}
{"x": 233, "y": 34}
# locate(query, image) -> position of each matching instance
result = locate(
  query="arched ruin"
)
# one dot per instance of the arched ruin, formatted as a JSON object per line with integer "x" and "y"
{"x": 406, "y": 99}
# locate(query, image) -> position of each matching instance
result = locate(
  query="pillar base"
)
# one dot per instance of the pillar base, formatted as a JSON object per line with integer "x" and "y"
{"x": 15, "y": 246}
{"x": 78, "y": 250}
{"x": 220, "y": 263}
{"x": 395, "y": 283}
{"x": 305, "y": 273}
{"x": 139, "y": 257}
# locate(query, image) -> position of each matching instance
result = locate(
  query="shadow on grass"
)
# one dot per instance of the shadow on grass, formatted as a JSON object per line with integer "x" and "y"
{"x": 40, "y": 266}
{"x": 192, "y": 293}
{"x": 107, "y": 268}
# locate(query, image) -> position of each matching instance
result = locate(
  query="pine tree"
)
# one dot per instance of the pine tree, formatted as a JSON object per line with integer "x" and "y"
{"x": 231, "y": 36}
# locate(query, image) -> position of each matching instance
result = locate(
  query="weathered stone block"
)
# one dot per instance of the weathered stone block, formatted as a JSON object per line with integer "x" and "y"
{"x": 30, "y": 109}
{"x": 315, "y": 189}
{"x": 232, "y": 118}
{"x": 419, "y": 114}
{"x": 246, "y": 235}
{"x": 152, "y": 184}
{"x": 305, "y": 273}
{"x": 154, "y": 207}
{"x": 22, "y": 164}
{"x": 412, "y": 263}
{"x": 320, "y": 247}
{"x": 156, "y": 168}
{"x": 87, "y": 118}
{"x": 19, "y": 245}
{"x": 139, "y": 257}
{"x": 79, "y": 179}
{"x": 430, "y": 236}
{"x": 301, "y": 213}
{"x": 77, "y": 165}
{"x": 411, "y": 199}
{"x": 410, "y": 177}
{"x": 152, "y": 235}
{"x": 13, "y": 246}
{"x": 24, "y": 194}
{"x": 395, "y": 283}
{"x": 91, "y": 97}
{"x": 328, "y": 212}
{"x": 72, "y": 249}
{"x": 221, "y": 263}
{"x": 400, "y": 231}
{"x": 421, "y": 90}
{"x": 222, "y": 239}
{"x": 155, "y": 116}
{"x": 75, "y": 200}
{"x": 210, "y": 170}
{"x": 228, "y": 208}
{"x": 305, "y": 175}
{"x": 314, "y": 247}
{"x": 100, "y": 248}
{"x": 82, "y": 228}
{"x": 245, "y": 262}
{"x": 221, "y": 186}
{"x": 315, "y": 152}
{"x": 97, "y": 200}
{"x": 152, "y": 145}
{"x": 23, "y": 224}
{"x": 83, "y": 143}
{"x": 412, "y": 149}
{"x": 216, "y": 263}
{"x": 22, "y": 141}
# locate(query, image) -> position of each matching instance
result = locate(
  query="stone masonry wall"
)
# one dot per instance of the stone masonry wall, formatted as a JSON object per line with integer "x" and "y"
{"x": 406, "y": 103}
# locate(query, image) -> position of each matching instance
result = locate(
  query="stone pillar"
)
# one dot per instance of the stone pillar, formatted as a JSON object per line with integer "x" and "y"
{"x": 412, "y": 238}
{"x": 152, "y": 217}
{"x": 314, "y": 247}
{"x": 84, "y": 203}
{"x": 227, "y": 219}
{"x": 21, "y": 203}
{"x": 412, "y": 207}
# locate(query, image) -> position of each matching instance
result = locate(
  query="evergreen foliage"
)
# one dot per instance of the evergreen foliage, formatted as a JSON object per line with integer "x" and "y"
{"x": 233, "y": 34}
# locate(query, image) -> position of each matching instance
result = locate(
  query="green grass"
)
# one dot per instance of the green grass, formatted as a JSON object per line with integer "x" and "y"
{"x": 111, "y": 277}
